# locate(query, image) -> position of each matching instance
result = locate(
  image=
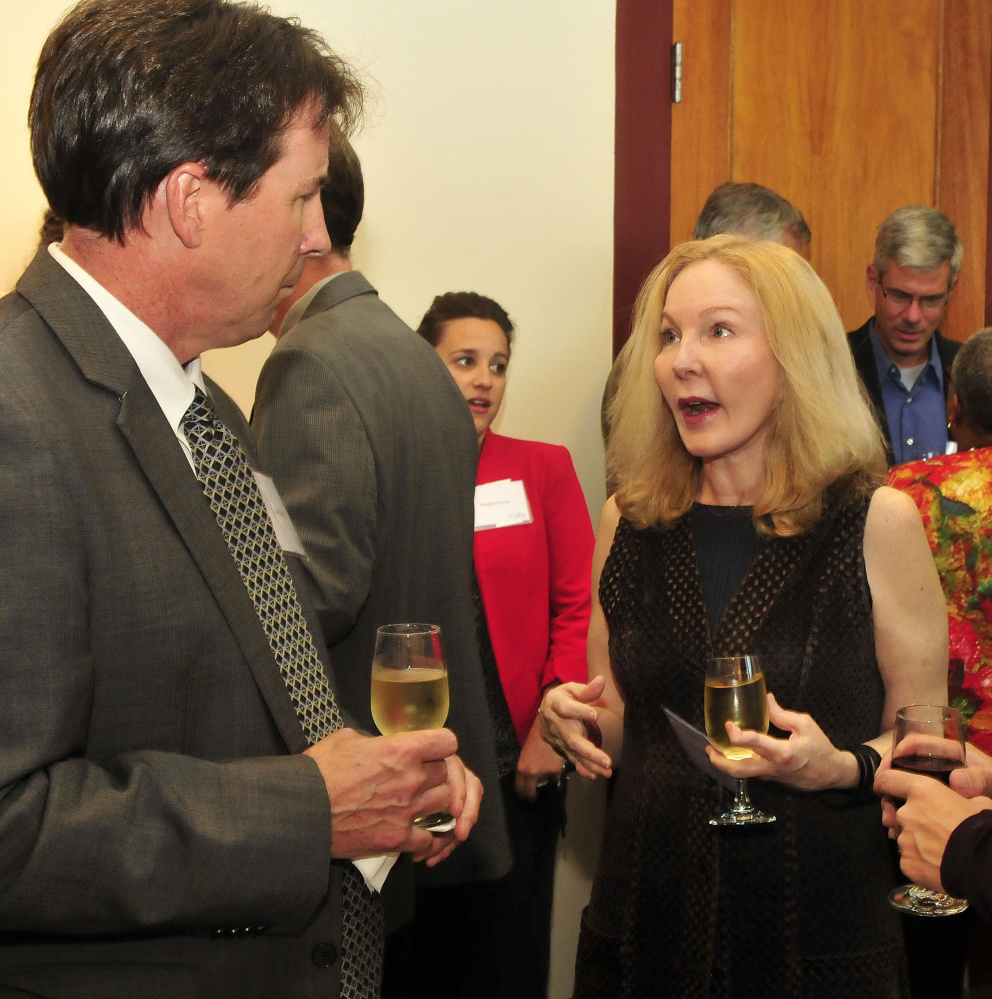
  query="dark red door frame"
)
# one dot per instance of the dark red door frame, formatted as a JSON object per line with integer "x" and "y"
{"x": 643, "y": 160}
{"x": 988, "y": 238}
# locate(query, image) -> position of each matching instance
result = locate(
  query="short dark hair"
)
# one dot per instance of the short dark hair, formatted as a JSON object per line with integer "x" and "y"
{"x": 52, "y": 230}
{"x": 753, "y": 211}
{"x": 127, "y": 91}
{"x": 342, "y": 195}
{"x": 462, "y": 305}
{"x": 971, "y": 380}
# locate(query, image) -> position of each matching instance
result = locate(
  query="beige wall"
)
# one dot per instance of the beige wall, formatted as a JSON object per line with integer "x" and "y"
{"x": 25, "y": 28}
{"x": 488, "y": 159}
{"x": 488, "y": 156}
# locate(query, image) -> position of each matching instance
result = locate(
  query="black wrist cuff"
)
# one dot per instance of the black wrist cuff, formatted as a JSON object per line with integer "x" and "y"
{"x": 868, "y": 763}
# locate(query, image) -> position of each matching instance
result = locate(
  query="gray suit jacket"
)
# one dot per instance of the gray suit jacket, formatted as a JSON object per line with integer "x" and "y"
{"x": 374, "y": 452}
{"x": 156, "y": 838}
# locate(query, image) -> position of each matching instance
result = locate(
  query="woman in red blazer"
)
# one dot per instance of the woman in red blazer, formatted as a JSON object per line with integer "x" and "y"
{"x": 533, "y": 554}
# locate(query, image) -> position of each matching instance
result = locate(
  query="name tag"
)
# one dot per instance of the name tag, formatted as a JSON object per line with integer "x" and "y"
{"x": 501, "y": 504}
{"x": 286, "y": 534}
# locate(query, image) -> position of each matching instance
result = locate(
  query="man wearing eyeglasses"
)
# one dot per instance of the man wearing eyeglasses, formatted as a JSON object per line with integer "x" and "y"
{"x": 903, "y": 361}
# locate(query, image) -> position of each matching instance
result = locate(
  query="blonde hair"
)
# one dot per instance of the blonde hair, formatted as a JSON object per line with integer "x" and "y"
{"x": 823, "y": 429}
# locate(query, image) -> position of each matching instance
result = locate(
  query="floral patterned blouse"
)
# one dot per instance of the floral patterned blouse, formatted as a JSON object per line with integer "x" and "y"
{"x": 954, "y": 497}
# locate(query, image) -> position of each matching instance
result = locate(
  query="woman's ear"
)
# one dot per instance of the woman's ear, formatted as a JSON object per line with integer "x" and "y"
{"x": 953, "y": 410}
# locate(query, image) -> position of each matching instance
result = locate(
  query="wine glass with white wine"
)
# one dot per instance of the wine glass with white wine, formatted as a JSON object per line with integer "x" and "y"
{"x": 735, "y": 691}
{"x": 410, "y": 689}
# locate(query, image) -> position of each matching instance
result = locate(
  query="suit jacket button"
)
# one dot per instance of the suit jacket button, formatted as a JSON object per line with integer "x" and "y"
{"x": 324, "y": 955}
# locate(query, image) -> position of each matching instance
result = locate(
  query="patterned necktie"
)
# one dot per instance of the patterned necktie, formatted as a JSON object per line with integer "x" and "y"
{"x": 236, "y": 500}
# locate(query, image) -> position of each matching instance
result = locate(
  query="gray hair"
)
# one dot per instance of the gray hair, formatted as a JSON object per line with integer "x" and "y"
{"x": 915, "y": 236}
{"x": 971, "y": 379}
{"x": 750, "y": 210}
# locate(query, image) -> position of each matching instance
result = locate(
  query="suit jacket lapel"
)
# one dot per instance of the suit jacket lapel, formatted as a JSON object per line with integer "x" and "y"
{"x": 864, "y": 361}
{"x": 103, "y": 360}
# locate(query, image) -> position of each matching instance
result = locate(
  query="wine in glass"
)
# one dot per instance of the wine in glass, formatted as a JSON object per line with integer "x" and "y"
{"x": 735, "y": 691}
{"x": 410, "y": 689}
{"x": 928, "y": 739}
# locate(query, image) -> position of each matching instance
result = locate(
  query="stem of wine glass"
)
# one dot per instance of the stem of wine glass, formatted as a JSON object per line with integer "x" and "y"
{"x": 742, "y": 799}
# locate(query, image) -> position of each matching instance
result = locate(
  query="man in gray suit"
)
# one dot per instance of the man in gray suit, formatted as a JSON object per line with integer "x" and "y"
{"x": 179, "y": 795}
{"x": 374, "y": 451}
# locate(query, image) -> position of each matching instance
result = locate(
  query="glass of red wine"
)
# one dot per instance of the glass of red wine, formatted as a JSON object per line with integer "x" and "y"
{"x": 928, "y": 739}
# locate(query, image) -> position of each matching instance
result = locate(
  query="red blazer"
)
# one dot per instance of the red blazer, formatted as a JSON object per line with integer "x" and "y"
{"x": 535, "y": 578}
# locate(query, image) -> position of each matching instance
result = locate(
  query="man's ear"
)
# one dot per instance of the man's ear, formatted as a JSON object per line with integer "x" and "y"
{"x": 871, "y": 281}
{"x": 185, "y": 194}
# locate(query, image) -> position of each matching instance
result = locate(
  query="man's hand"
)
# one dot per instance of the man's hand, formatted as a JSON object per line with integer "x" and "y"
{"x": 923, "y": 825}
{"x": 466, "y": 796}
{"x": 538, "y": 763}
{"x": 378, "y": 786}
{"x": 975, "y": 778}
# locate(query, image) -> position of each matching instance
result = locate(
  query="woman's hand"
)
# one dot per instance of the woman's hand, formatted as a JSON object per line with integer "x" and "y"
{"x": 538, "y": 764}
{"x": 806, "y": 760}
{"x": 565, "y": 713}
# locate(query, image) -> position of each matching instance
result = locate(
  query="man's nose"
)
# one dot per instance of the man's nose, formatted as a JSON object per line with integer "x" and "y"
{"x": 315, "y": 239}
{"x": 913, "y": 313}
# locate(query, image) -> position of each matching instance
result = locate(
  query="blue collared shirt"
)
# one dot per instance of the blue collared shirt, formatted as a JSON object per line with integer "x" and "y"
{"x": 917, "y": 417}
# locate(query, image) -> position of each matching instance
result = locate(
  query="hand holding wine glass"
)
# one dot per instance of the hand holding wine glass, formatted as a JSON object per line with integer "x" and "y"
{"x": 805, "y": 760}
{"x": 927, "y": 739}
{"x": 410, "y": 689}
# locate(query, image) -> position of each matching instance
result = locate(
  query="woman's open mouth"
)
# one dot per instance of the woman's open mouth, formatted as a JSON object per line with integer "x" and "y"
{"x": 695, "y": 410}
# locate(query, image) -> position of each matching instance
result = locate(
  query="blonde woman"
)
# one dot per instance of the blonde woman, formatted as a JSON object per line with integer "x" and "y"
{"x": 747, "y": 519}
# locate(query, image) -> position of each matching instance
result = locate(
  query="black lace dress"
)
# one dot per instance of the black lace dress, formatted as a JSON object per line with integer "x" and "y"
{"x": 792, "y": 909}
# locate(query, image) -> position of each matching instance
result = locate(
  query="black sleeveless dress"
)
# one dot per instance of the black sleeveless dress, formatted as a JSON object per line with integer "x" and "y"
{"x": 796, "y": 908}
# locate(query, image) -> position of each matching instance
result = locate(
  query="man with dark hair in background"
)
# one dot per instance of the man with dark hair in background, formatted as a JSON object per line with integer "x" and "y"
{"x": 902, "y": 359}
{"x": 179, "y": 797}
{"x": 756, "y": 212}
{"x": 374, "y": 451}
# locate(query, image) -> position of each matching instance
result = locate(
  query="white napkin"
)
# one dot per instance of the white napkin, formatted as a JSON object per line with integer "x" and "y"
{"x": 376, "y": 869}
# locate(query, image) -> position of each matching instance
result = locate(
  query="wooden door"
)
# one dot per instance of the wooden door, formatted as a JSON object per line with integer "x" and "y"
{"x": 848, "y": 108}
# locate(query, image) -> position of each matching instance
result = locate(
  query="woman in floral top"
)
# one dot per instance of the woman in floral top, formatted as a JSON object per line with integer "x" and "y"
{"x": 954, "y": 496}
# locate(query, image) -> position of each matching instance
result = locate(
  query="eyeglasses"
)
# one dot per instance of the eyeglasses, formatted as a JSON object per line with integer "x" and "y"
{"x": 902, "y": 300}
